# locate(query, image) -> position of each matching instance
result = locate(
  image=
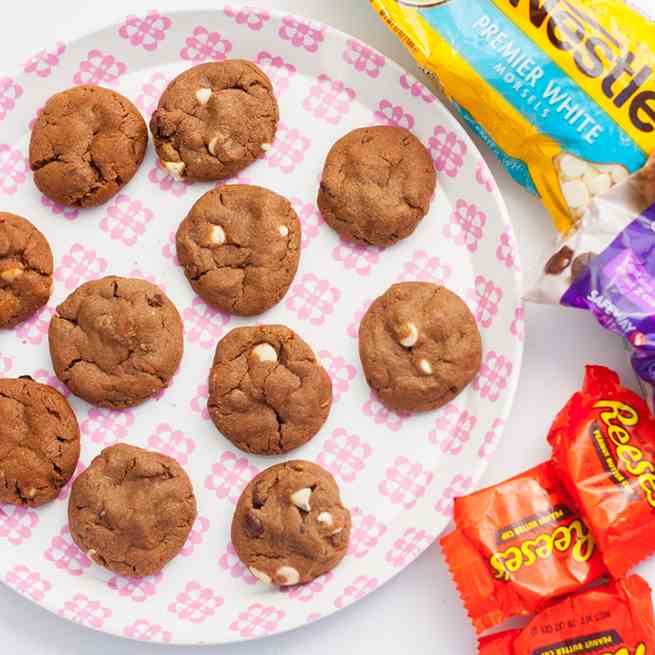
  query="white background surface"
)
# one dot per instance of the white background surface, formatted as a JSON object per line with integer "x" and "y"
{"x": 418, "y": 611}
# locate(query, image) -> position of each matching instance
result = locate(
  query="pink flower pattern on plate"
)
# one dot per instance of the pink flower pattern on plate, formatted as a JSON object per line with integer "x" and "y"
{"x": 517, "y": 327}
{"x": 203, "y": 324}
{"x": 144, "y": 630}
{"x": 484, "y": 299}
{"x": 507, "y": 251}
{"x": 229, "y": 561}
{"x": 405, "y": 482}
{"x": 196, "y": 536}
{"x": 13, "y": 169}
{"x": 230, "y": 475}
{"x": 35, "y": 328}
{"x": 5, "y": 364}
{"x": 305, "y": 593}
{"x": 447, "y": 151}
{"x": 42, "y": 63}
{"x": 17, "y": 523}
{"x": 199, "y": 401}
{"x": 203, "y": 45}
{"x": 424, "y": 267}
{"x": 65, "y": 555}
{"x": 344, "y": 455}
{"x": 126, "y": 219}
{"x": 452, "y": 429}
{"x": 340, "y": 372}
{"x": 172, "y": 442}
{"x": 312, "y": 299}
{"x": 150, "y": 93}
{"x": 466, "y": 225}
{"x": 146, "y": 32}
{"x": 491, "y": 439}
{"x": 389, "y": 114}
{"x": 353, "y": 327}
{"x": 257, "y": 621}
{"x": 365, "y": 534}
{"x": 252, "y": 17}
{"x": 196, "y": 603}
{"x": 356, "y": 590}
{"x": 81, "y": 609}
{"x": 288, "y": 150}
{"x": 416, "y": 88}
{"x": 483, "y": 176}
{"x": 329, "y": 100}
{"x": 310, "y": 219}
{"x": 279, "y": 71}
{"x": 383, "y": 416}
{"x": 27, "y": 582}
{"x": 364, "y": 59}
{"x": 458, "y": 486}
{"x": 408, "y": 547}
{"x": 356, "y": 257}
{"x": 136, "y": 589}
{"x": 492, "y": 378}
{"x": 69, "y": 213}
{"x": 98, "y": 68}
{"x": 79, "y": 265}
{"x": 169, "y": 249}
{"x": 302, "y": 33}
{"x": 107, "y": 426}
{"x": 10, "y": 91}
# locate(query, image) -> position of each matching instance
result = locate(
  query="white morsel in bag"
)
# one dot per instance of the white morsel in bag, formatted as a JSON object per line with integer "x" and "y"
{"x": 575, "y": 193}
{"x": 597, "y": 183}
{"x": 571, "y": 167}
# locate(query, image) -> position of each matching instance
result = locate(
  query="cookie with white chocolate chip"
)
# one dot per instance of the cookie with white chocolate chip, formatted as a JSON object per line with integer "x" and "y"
{"x": 214, "y": 119}
{"x": 419, "y": 345}
{"x": 240, "y": 247}
{"x": 290, "y": 525}
{"x": 25, "y": 270}
{"x": 268, "y": 394}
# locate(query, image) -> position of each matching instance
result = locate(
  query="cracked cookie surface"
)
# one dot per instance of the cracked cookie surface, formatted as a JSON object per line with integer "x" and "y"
{"x": 240, "y": 246}
{"x": 214, "y": 119}
{"x": 39, "y": 442}
{"x": 116, "y": 341}
{"x": 376, "y": 185}
{"x": 419, "y": 345}
{"x": 131, "y": 510}
{"x": 25, "y": 270}
{"x": 87, "y": 143}
{"x": 268, "y": 394}
{"x": 289, "y": 525}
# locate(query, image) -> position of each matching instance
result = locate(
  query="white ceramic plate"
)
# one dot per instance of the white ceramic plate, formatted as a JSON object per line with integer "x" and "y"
{"x": 397, "y": 473}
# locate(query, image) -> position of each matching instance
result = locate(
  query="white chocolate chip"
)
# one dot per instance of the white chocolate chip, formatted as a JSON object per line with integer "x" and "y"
{"x": 288, "y": 575}
{"x": 175, "y": 168}
{"x": 283, "y": 230}
{"x": 425, "y": 366}
{"x": 326, "y": 519}
{"x": 260, "y": 575}
{"x": 11, "y": 274}
{"x": 575, "y": 193}
{"x": 212, "y": 146}
{"x": 301, "y": 498}
{"x": 597, "y": 184}
{"x": 31, "y": 493}
{"x": 91, "y": 552}
{"x": 266, "y": 146}
{"x": 571, "y": 166}
{"x": 217, "y": 235}
{"x": 203, "y": 95}
{"x": 618, "y": 172}
{"x": 264, "y": 352}
{"x": 337, "y": 531}
{"x": 409, "y": 335}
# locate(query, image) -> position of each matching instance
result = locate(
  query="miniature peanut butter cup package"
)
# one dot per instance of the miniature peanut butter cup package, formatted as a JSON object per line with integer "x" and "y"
{"x": 603, "y": 444}
{"x": 615, "y": 619}
{"x": 517, "y": 545}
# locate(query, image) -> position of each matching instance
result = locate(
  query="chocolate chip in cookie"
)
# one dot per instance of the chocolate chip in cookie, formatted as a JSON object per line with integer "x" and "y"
{"x": 39, "y": 442}
{"x": 290, "y": 525}
{"x": 240, "y": 246}
{"x": 25, "y": 270}
{"x": 419, "y": 345}
{"x": 215, "y": 119}
{"x": 116, "y": 341}
{"x": 131, "y": 510}
{"x": 268, "y": 394}
{"x": 377, "y": 185}
{"x": 87, "y": 143}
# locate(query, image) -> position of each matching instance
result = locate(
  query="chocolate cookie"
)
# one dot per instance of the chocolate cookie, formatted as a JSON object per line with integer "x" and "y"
{"x": 132, "y": 510}
{"x": 87, "y": 143}
{"x": 268, "y": 394}
{"x": 240, "y": 247}
{"x": 39, "y": 442}
{"x": 289, "y": 525}
{"x": 377, "y": 184}
{"x": 419, "y": 345}
{"x": 215, "y": 119}
{"x": 25, "y": 270}
{"x": 116, "y": 341}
